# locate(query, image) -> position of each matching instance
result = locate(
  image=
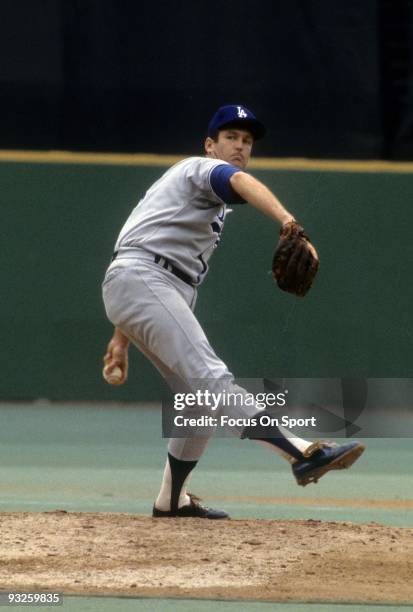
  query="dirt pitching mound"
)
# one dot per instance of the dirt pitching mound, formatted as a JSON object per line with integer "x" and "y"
{"x": 122, "y": 554}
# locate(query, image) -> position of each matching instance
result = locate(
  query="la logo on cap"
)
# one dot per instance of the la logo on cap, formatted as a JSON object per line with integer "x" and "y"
{"x": 230, "y": 115}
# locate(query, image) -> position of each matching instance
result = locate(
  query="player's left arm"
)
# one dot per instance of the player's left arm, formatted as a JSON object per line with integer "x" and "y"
{"x": 295, "y": 261}
{"x": 117, "y": 356}
{"x": 258, "y": 195}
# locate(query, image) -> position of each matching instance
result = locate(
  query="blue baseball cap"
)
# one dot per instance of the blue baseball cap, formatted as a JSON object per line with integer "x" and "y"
{"x": 235, "y": 115}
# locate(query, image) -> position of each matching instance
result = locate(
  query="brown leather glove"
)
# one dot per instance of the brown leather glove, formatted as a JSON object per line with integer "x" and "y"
{"x": 295, "y": 262}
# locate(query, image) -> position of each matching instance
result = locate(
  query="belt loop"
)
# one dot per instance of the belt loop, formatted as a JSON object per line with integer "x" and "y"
{"x": 167, "y": 265}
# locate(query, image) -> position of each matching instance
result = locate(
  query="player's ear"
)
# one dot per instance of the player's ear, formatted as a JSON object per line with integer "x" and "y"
{"x": 209, "y": 145}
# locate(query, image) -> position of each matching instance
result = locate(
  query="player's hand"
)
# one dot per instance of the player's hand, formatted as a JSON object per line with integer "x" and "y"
{"x": 116, "y": 356}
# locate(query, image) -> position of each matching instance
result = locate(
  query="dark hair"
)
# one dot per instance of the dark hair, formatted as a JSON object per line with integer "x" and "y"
{"x": 241, "y": 125}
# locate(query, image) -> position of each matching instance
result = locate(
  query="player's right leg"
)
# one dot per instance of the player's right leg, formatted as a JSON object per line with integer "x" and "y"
{"x": 183, "y": 455}
{"x": 149, "y": 311}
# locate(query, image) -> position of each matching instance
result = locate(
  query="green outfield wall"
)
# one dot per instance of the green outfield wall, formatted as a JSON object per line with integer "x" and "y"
{"x": 59, "y": 224}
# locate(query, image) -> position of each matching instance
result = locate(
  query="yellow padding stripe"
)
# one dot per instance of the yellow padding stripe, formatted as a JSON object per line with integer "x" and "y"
{"x": 149, "y": 159}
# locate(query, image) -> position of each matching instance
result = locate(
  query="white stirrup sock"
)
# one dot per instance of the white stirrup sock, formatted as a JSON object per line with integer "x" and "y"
{"x": 163, "y": 501}
{"x": 299, "y": 444}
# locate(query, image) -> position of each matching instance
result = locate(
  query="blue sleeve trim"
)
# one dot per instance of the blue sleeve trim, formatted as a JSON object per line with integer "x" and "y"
{"x": 221, "y": 185}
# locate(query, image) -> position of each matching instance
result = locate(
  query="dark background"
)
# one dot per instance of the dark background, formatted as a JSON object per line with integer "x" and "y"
{"x": 330, "y": 79}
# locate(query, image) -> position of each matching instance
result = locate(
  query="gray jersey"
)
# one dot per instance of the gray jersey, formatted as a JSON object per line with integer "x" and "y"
{"x": 180, "y": 217}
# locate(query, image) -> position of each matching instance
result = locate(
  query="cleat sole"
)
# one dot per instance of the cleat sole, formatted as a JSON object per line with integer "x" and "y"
{"x": 341, "y": 463}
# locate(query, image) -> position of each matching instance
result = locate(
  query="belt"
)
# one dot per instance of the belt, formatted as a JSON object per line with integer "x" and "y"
{"x": 165, "y": 263}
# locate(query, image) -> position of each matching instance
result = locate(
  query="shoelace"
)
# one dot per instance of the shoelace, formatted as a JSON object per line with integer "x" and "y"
{"x": 317, "y": 445}
{"x": 195, "y": 500}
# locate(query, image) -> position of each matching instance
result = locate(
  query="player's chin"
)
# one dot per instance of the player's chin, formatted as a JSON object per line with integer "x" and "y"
{"x": 238, "y": 163}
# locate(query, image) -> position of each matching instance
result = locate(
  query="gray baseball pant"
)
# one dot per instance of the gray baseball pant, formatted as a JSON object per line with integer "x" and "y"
{"x": 154, "y": 309}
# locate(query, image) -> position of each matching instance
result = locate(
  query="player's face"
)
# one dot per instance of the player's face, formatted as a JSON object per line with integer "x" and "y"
{"x": 233, "y": 146}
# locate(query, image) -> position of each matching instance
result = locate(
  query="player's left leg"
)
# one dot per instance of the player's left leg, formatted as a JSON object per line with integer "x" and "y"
{"x": 310, "y": 461}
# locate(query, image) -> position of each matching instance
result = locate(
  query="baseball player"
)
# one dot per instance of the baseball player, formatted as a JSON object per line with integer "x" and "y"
{"x": 161, "y": 257}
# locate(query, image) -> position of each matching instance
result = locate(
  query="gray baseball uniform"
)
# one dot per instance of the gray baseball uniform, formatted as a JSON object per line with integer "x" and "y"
{"x": 150, "y": 288}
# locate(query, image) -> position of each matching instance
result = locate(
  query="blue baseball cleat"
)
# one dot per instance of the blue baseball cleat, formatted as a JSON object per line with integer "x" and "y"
{"x": 193, "y": 510}
{"x": 321, "y": 457}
